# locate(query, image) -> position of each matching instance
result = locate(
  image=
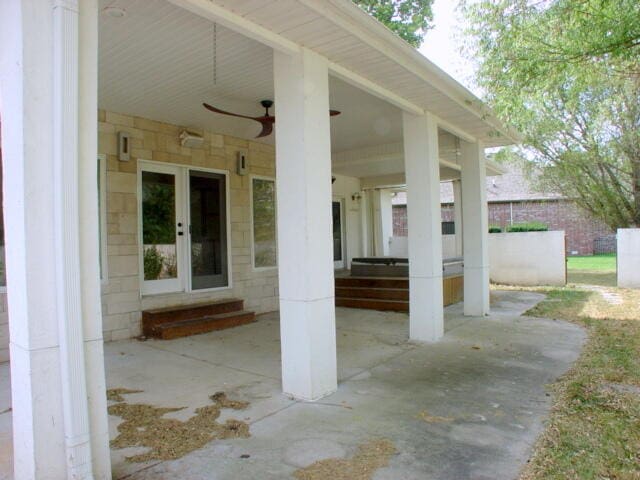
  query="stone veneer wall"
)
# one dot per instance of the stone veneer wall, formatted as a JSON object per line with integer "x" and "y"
{"x": 151, "y": 140}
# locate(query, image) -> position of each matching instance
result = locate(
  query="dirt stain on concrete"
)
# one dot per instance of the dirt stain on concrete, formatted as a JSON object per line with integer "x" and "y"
{"x": 370, "y": 457}
{"x": 168, "y": 438}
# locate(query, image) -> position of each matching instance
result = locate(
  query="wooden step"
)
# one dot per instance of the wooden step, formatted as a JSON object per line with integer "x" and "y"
{"x": 184, "y": 328}
{"x": 157, "y": 316}
{"x": 372, "y": 282}
{"x": 378, "y": 293}
{"x": 373, "y": 304}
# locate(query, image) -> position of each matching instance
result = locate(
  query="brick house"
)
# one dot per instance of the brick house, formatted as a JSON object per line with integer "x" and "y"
{"x": 512, "y": 199}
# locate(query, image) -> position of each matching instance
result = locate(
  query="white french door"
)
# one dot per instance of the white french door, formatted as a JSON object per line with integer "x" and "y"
{"x": 162, "y": 227}
{"x": 183, "y": 229}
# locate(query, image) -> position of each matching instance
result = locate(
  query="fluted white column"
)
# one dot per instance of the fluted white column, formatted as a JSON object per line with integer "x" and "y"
{"x": 426, "y": 314}
{"x": 305, "y": 246}
{"x": 48, "y": 89}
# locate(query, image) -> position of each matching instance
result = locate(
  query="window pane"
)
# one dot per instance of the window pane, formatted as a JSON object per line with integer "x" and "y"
{"x": 158, "y": 226}
{"x": 264, "y": 223}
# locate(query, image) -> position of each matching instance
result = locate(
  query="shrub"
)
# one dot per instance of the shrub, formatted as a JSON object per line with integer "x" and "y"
{"x": 495, "y": 229}
{"x": 153, "y": 262}
{"x": 528, "y": 227}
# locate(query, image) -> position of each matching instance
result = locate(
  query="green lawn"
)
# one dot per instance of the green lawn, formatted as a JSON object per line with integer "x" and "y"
{"x": 592, "y": 270}
{"x": 605, "y": 262}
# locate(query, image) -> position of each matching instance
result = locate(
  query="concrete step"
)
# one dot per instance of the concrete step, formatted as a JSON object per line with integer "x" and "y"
{"x": 157, "y": 316}
{"x": 378, "y": 293}
{"x": 210, "y": 323}
{"x": 373, "y": 304}
{"x": 372, "y": 282}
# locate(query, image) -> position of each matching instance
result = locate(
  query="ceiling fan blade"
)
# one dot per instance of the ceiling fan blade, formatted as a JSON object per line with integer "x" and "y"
{"x": 333, "y": 113}
{"x": 223, "y": 112}
{"x": 267, "y": 128}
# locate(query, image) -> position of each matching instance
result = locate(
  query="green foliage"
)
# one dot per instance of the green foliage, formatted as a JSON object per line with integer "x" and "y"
{"x": 528, "y": 227}
{"x": 158, "y": 211}
{"x": 566, "y": 73}
{"x": 495, "y": 229}
{"x": 153, "y": 261}
{"x": 409, "y": 19}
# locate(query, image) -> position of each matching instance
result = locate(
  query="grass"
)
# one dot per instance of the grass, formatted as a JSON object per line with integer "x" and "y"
{"x": 592, "y": 270}
{"x": 601, "y": 263}
{"x": 594, "y": 429}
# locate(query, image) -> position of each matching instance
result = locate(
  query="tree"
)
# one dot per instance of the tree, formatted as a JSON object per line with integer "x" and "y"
{"x": 409, "y": 19}
{"x": 566, "y": 73}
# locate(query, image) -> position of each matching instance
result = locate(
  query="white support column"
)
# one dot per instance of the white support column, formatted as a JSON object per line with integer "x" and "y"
{"x": 422, "y": 170}
{"x": 305, "y": 246}
{"x": 476, "y": 230}
{"x": 49, "y": 289}
{"x": 383, "y": 221}
{"x": 457, "y": 216}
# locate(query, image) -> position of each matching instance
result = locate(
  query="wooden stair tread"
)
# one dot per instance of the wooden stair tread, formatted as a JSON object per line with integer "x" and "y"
{"x": 205, "y": 324}
{"x": 206, "y": 318}
{"x": 190, "y": 306}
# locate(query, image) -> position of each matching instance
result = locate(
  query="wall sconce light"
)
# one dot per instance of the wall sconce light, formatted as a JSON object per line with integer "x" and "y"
{"x": 356, "y": 197}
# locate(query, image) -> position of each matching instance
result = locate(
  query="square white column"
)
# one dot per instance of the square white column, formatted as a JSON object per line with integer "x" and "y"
{"x": 426, "y": 313}
{"x": 305, "y": 241}
{"x": 457, "y": 215}
{"x": 475, "y": 230}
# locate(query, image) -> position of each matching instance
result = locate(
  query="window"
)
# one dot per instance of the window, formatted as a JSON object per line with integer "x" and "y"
{"x": 263, "y": 203}
{"x": 102, "y": 214}
{"x": 448, "y": 228}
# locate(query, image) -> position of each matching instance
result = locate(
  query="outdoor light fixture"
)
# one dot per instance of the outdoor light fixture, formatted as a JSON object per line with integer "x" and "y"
{"x": 114, "y": 12}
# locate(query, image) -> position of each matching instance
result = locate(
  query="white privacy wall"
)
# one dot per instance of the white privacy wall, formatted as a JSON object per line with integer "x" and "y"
{"x": 527, "y": 258}
{"x": 629, "y": 257}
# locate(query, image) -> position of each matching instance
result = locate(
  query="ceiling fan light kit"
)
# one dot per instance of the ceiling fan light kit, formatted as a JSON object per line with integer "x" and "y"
{"x": 265, "y": 120}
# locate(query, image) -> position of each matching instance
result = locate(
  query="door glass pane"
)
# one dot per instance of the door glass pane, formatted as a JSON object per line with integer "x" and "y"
{"x": 207, "y": 199}
{"x": 158, "y": 226}
{"x": 337, "y": 231}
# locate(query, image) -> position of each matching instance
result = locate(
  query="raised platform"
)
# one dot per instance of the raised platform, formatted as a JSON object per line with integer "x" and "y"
{"x": 398, "y": 267}
{"x": 389, "y": 293}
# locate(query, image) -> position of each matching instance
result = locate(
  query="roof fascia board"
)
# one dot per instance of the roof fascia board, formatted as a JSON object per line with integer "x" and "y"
{"x": 351, "y": 18}
{"x": 233, "y": 21}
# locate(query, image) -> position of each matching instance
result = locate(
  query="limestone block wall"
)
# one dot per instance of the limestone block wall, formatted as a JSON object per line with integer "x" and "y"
{"x": 155, "y": 141}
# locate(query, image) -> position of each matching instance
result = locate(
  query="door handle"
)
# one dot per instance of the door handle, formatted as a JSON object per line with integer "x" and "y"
{"x": 180, "y": 233}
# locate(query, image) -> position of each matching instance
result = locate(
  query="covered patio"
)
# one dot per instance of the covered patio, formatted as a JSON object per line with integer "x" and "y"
{"x": 162, "y": 204}
{"x": 467, "y": 408}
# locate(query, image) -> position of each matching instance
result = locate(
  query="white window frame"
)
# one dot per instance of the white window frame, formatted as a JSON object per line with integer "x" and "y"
{"x": 275, "y": 199}
{"x": 102, "y": 216}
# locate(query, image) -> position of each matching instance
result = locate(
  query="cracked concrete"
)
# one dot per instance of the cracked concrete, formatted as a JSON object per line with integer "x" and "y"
{"x": 487, "y": 377}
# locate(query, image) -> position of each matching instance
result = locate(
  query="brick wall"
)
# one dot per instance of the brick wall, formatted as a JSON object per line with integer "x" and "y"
{"x": 580, "y": 227}
{"x": 150, "y": 140}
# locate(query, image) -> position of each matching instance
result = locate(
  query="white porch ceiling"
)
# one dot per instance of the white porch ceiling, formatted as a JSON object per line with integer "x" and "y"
{"x": 158, "y": 62}
{"x": 161, "y": 62}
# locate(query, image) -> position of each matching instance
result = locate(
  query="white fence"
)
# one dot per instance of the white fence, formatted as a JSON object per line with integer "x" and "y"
{"x": 629, "y": 257}
{"x": 527, "y": 258}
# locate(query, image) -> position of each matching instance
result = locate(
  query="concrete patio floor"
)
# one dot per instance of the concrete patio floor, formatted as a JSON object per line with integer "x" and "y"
{"x": 487, "y": 377}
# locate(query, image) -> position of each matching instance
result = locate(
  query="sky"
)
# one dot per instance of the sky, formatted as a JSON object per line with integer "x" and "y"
{"x": 442, "y": 43}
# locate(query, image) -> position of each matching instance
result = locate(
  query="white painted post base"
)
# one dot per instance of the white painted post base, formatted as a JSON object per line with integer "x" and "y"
{"x": 305, "y": 245}
{"x": 475, "y": 230}
{"x": 426, "y": 311}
